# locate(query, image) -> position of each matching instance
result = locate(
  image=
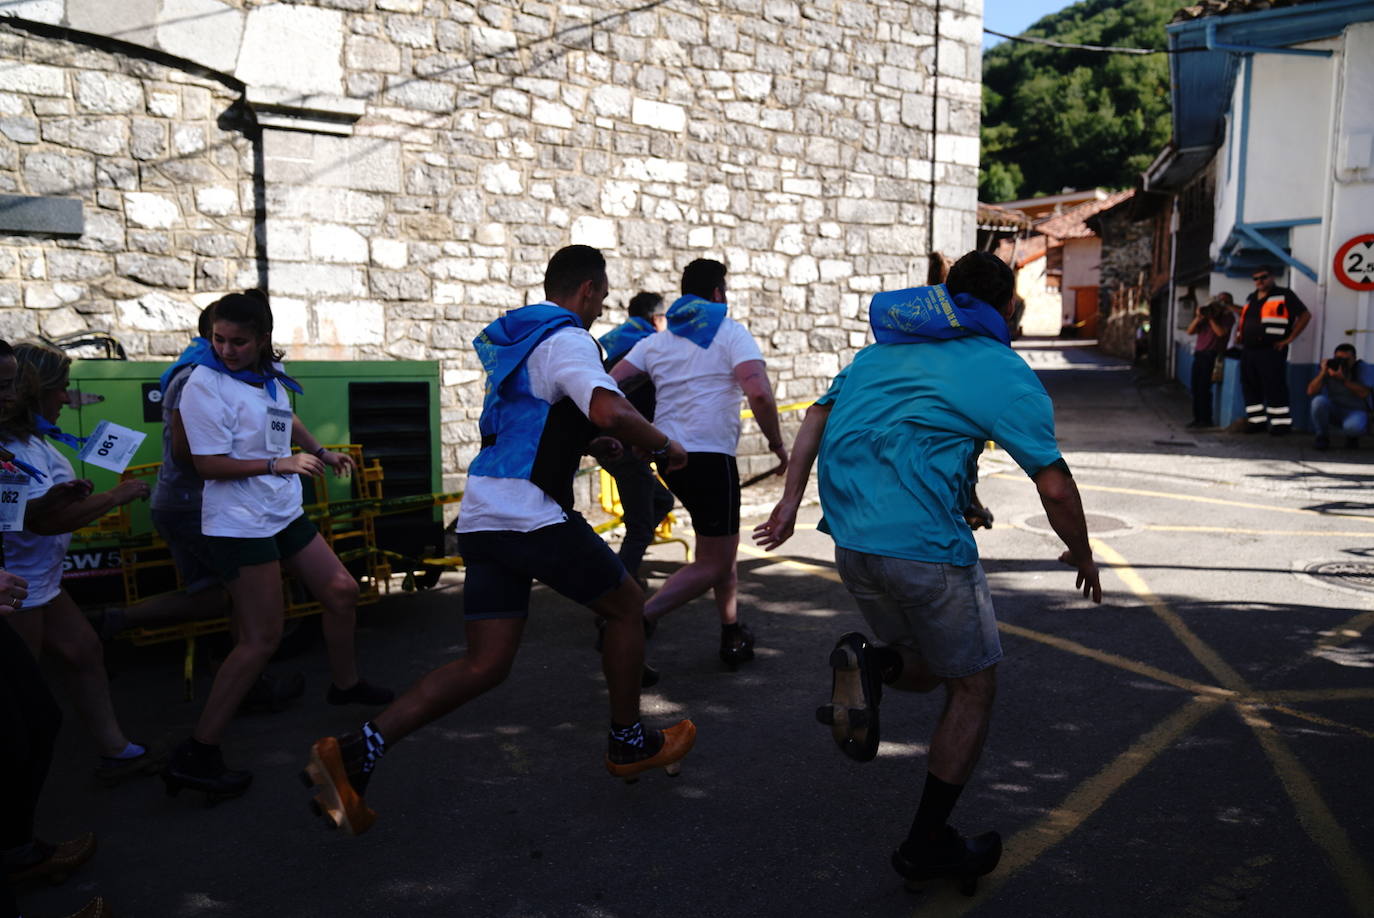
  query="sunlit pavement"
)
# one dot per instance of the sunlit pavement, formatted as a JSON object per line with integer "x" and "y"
{"x": 1198, "y": 745}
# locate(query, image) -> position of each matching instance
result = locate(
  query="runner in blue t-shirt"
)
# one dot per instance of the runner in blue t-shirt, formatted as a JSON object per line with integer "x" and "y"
{"x": 896, "y": 434}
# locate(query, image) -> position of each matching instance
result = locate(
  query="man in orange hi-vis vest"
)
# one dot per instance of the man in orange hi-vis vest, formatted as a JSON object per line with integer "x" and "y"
{"x": 1272, "y": 317}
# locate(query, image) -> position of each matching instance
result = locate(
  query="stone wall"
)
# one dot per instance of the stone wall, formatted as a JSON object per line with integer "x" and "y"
{"x": 167, "y": 193}
{"x": 420, "y": 160}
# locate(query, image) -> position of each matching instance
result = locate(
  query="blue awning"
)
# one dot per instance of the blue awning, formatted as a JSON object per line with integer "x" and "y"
{"x": 1203, "y": 80}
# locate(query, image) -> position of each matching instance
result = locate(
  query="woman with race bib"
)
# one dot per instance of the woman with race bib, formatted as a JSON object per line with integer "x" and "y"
{"x": 240, "y": 428}
{"x": 50, "y": 619}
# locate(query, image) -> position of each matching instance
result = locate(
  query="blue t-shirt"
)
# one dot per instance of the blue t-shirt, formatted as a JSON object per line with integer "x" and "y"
{"x": 905, "y": 422}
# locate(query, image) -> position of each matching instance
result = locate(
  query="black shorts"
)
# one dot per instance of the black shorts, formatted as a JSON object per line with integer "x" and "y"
{"x": 708, "y": 486}
{"x": 229, "y": 554}
{"x": 499, "y": 567}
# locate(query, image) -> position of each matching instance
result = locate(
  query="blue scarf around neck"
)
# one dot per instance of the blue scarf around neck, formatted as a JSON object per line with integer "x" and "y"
{"x": 52, "y": 431}
{"x": 504, "y": 344}
{"x": 619, "y": 340}
{"x": 202, "y": 353}
{"x": 921, "y": 314}
{"x": 696, "y": 319}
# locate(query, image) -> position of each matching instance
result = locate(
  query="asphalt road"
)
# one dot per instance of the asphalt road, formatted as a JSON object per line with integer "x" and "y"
{"x": 1198, "y": 745}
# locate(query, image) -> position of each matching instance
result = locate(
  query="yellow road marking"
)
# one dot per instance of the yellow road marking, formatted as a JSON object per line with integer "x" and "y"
{"x": 1189, "y": 498}
{"x": 1313, "y": 813}
{"x": 1111, "y": 659}
{"x": 1028, "y": 845}
{"x": 1344, "y": 634}
{"x": 1209, "y": 658}
{"x": 1353, "y": 694}
{"x": 1282, "y": 532}
{"x": 818, "y": 569}
{"x": 1318, "y": 719}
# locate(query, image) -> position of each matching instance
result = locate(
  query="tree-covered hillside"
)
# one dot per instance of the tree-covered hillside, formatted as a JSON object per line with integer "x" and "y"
{"x": 1055, "y": 118}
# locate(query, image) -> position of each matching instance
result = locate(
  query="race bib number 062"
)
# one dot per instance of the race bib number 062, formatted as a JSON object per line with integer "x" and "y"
{"x": 14, "y": 497}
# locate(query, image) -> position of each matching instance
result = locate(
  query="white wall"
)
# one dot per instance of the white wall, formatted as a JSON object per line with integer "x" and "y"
{"x": 1352, "y": 194}
{"x": 1044, "y": 308}
{"x": 1289, "y": 137}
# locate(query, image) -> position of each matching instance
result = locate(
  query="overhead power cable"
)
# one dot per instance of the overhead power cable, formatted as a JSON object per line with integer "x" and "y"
{"x": 1103, "y": 49}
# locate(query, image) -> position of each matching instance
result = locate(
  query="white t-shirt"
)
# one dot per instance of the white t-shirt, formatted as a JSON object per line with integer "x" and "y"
{"x": 38, "y": 558}
{"x": 698, "y": 397}
{"x": 567, "y": 364}
{"x": 226, "y": 417}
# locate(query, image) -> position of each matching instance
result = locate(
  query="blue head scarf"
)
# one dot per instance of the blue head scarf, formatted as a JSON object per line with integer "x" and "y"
{"x": 921, "y": 314}
{"x": 695, "y": 319}
{"x": 504, "y": 344}
{"x": 620, "y": 339}
{"x": 201, "y": 353}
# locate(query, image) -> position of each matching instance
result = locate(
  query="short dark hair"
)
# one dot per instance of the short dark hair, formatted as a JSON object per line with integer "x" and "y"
{"x": 6, "y": 349}
{"x": 1343, "y": 346}
{"x": 571, "y": 267}
{"x": 702, "y": 277}
{"x": 205, "y": 327}
{"x": 643, "y": 304}
{"x": 985, "y": 276}
{"x": 1267, "y": 269}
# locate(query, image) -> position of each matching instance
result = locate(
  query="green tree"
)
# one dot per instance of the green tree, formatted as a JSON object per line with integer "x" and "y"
{"x": 1056, "y": 118}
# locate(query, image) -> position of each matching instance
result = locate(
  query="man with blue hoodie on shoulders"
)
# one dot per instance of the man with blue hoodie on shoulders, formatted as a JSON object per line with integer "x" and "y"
{"x": 548, "y": 402}
{"x": 895, "y": 433}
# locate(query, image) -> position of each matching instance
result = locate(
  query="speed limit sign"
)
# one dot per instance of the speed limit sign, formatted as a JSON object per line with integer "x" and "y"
{"x": 1354, "y": 265}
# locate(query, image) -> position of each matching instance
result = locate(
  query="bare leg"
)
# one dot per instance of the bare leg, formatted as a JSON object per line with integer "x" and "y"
{"x": 622, "y": 649}
{"x": 71, "y": 639}
{"x": 171, "y": 608}
{"x": 329, "y": 581}
{"x": 713, "y": 568}
{"x": 958, "y": 739}
{"x": 258, "y": 612}
{"x": 492, "y": 643}
{"x": 916, "y": 675}
{"x": 726, "y": 593}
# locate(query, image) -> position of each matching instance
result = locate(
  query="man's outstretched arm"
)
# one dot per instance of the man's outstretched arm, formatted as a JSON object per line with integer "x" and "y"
{"x": 1059, "y": 497}
{"x": 778, "y": 528}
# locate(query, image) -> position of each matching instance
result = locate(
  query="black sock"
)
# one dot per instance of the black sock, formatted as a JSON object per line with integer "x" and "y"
{"x": 888, "y": 661}
{"x": 633, "y": 742}
{"x": 937, "y": 802}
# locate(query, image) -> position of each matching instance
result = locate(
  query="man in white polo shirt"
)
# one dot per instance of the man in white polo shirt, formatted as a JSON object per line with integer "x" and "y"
{"x": 699, "y": 367}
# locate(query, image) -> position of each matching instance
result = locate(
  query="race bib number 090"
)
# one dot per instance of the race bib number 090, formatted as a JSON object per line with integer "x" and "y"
{"x": 111, "y": 446}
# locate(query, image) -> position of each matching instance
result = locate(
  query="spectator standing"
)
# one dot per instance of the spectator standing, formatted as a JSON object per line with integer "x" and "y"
{"x": 1212, "y": 324}
{"x": 699, "y": 369}
{"x": 1340, "y": 394}
{"x": 1272, "y": 317}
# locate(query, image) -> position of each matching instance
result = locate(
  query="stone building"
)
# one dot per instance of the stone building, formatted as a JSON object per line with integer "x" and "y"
{"x": 396, "y": 172}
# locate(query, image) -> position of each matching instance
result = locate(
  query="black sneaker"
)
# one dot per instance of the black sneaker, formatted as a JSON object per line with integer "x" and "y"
{"x": 362, "y": 692}
{"x": 950, "y": 855}
{"x": 736, "y": 644}
{"x": 856, "y": 688}
{"x": 195, "y": 766}
{"x": 273, "y": 695}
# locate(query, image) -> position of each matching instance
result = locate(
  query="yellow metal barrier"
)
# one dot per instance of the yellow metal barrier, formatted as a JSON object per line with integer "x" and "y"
{"x": 610, "y": 504}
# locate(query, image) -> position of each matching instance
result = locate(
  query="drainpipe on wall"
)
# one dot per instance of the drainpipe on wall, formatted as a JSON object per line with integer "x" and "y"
{"x": 934, "y": 135}
{"x": 1169, "y": 313}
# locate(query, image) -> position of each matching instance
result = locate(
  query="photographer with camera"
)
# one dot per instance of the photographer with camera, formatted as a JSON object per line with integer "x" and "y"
{"x": 1340, "y": 395}
{"x": 1212, "y": 324}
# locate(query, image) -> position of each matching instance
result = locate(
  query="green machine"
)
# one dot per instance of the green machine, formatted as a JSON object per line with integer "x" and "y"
{"x": 390, "y": 408}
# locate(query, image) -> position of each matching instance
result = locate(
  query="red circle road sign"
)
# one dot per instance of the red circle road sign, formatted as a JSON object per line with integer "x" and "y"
{"x": 1354, "y": 264}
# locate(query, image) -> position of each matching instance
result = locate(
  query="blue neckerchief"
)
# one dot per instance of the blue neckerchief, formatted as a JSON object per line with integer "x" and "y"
{"x": 24, "y": 467}
{"x": 695, "y": 319}
{"x": 202, "y": 354}
{"x": 49, "y": 429}
{"x": 620, "y": 339}
{"x": 504, "y": 344}
{"x": 189, "y": 357}
{"x": 921, "y": 314}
